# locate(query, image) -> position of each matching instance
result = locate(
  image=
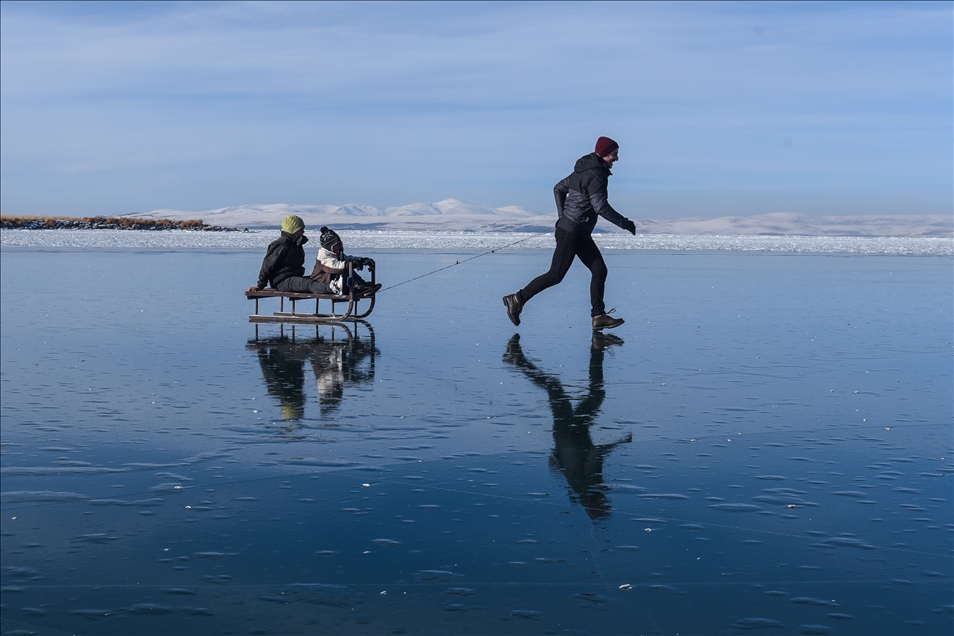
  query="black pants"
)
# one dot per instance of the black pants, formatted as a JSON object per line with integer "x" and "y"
{"x": 303, "y": 285}
{"x": 568, "y": 246}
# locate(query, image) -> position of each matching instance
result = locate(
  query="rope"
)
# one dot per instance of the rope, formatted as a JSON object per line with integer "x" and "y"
{"x": 455, "y": 264}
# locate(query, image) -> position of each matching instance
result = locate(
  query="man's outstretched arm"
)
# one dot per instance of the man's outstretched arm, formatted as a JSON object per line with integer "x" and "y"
{"x": 560, "y": 192}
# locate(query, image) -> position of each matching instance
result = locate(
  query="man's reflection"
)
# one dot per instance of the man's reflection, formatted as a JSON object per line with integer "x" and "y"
{"x": 575, "y": 456}
{"x": 334, "y": 361}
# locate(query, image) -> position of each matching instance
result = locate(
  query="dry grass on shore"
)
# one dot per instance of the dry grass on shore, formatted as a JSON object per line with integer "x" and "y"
{"x": 30, "y": 221}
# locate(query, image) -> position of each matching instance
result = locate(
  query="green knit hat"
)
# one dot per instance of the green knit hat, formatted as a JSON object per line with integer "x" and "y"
{"x": 292, "y": 224}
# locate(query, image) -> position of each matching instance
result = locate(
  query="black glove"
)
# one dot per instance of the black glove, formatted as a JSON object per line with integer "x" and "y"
{"x": 630, "y": 227}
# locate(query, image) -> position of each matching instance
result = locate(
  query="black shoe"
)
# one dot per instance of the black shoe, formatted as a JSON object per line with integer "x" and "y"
{"x": 360, "y": 289}
{"x": 370, "y": 290}
{"x": 603, "y": 341}
{"x": 514, "y": 307}
{"x": 605, "y": 321}
{"x": 514, "y": 353}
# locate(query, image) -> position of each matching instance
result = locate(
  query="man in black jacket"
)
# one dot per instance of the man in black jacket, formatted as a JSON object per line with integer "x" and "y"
{"x": 284, "y": 264}
{"x": 580, "y": 198}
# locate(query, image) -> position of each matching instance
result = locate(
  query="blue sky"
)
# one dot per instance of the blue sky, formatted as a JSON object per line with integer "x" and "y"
{"x": 719, "y": 108}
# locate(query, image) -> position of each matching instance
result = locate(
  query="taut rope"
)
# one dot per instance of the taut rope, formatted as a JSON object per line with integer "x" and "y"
{"x": 502, "y": 247}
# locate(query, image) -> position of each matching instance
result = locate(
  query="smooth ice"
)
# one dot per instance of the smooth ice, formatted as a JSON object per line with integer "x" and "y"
{"x": 765, "y": 446}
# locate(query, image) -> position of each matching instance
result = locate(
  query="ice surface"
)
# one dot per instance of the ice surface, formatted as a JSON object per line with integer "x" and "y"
{"x": 764, "y": 445}
{"x": 359, "y": 239}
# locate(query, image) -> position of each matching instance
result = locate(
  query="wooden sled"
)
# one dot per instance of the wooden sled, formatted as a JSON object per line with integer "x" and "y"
{"x": 353, "y": 312}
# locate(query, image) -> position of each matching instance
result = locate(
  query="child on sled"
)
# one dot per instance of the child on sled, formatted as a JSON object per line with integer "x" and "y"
{"x": 332, "y": 267}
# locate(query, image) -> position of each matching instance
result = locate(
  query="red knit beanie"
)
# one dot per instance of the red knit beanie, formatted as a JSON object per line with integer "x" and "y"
{"x": 605, "y": 146}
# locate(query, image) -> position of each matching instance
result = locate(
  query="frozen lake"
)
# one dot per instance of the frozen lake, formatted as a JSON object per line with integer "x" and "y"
{"x": 764, "y": 447}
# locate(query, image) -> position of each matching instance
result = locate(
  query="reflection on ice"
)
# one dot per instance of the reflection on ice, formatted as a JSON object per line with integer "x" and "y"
{"x": 151, "y": 483}
{"x": 343, "y": 357}
{"x": 575, "y": 456}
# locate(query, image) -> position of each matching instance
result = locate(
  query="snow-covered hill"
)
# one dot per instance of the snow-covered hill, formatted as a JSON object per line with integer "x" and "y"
{"x": 453, "y": 215}
{"x": 787, "y": 224}
{"x": 448, "y": 215}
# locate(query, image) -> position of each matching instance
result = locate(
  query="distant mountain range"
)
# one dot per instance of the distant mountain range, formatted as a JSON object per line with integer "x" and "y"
{"x": 452, "y": 215}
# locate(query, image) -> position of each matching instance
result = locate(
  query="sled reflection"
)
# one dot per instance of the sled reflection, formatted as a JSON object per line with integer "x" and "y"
{"x": 574, "y": 455}
{"x": 337, "y": 356}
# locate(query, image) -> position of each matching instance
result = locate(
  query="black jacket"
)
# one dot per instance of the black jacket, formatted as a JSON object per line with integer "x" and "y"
{"x": 285, "y": 257}
{"x": 582, "y": 195}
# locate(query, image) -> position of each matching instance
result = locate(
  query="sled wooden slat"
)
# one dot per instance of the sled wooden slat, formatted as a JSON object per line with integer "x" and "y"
{"x": 353, "y": 306}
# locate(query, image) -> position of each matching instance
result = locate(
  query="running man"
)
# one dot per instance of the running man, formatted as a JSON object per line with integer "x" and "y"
{"x": 579, "y": 199}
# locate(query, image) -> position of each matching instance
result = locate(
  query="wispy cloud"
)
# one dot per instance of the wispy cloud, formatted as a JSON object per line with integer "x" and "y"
{"x": 725, "y": 108}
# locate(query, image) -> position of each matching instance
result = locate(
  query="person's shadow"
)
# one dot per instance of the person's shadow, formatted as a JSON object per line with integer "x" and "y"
{"x": 574, "y": 455}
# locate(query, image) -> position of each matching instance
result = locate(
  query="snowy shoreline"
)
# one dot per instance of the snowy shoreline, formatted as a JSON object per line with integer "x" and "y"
{"x": 363, "y": 239}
